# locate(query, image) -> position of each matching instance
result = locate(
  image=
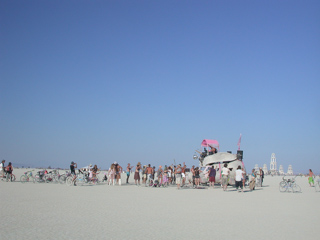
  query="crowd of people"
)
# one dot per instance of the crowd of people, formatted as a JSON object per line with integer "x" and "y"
{"x": 147, "y": 175}
{"x": 178, "y": 175}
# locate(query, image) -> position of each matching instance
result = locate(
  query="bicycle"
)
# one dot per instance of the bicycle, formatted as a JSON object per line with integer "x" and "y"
{"x": 52, "y": 176}
{"x": 286, "y": 184}
{"x": 39, "y": 177}
{"x": 81, "y": 178}
{"x": 317, "y": 185}
{"x": 63, "y": 177}
{"x": 8, "y": 177}
{"x": 26, "y": 177}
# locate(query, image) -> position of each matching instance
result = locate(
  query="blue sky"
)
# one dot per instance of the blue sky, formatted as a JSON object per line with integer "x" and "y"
{"x": 128, "y": 81}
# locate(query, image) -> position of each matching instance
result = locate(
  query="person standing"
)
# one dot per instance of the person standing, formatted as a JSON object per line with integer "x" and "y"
{"x": 252, "y": 183}
{"x": 197, "y": 176}
{"x": 2, "y": 167}
{"x": 149, "y": 172}
{"x": 9, "y": 170}
{"x": 111, "y": 173}
{"x": 212, "y": 176}
{"x": 144, "y": 174}
{"x": 153, "y": 172}
{"x": 169, "y": 175}
{"x": 225, "y": 175}
{"x": 183, "y": 174}
{"x": 244, "y": 176}
{"x": 95, "y": 170}
{"x": 238, "y": 178}
{"x": 261, "y": 176}
{"x": 310, "y": 179}
{"x": 160, "y": 175}
{"x": 173, "y": 177}
{"x": 192, "y": 172}
{"x": 118, "y": 169}
{"x": 136, "y": 174}
{"x": 73, "y": 167}
{"x": 165, "y": 176}
{"x": 178, "y": 171}
{"x": 128, "y": 172}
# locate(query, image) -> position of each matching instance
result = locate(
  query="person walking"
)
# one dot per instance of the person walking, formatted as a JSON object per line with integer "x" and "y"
{"x": 225, "y": 175}
{"x": 212, "y": 176}
{"x": 238, "y": 178}
{"x": 310, "y": 179}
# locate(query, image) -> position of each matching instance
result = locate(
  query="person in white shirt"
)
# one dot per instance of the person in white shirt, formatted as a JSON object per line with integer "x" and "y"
{"x": 2, "y": 169}
{"x": 225, "y": 174}
{"x": 238, "y": 178}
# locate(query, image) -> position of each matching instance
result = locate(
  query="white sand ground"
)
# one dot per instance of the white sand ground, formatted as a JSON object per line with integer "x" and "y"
{"x": 54, "y": 211}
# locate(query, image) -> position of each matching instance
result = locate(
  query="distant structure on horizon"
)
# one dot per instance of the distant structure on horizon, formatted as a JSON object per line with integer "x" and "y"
{"x": 273, "y": 167}
{"x": 265, "y": 169}
{"x": 281, "y": 172}
{"x": 290, "y": 171}
{"x": 273, "y": 164}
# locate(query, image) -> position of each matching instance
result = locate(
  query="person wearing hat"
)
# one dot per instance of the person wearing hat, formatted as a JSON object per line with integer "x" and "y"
{"x": 73, "y": 167}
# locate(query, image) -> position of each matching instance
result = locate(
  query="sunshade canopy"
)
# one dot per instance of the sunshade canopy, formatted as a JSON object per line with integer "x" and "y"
{"x": 210, "y": 143}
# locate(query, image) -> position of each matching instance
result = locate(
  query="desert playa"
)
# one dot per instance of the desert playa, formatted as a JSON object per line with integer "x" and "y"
{"x": 55, "y": 211}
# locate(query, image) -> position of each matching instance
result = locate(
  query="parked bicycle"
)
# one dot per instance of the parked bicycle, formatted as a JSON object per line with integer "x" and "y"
{"x": 26, "y": 177}
{"x": 81, "y": 178}
{"x": 287, "y": 185}
{"x": 39, "y": 177}
{"x": 52, "y": 176}
{"x": 63, "y": 177}
{"x": 317, "y": 185}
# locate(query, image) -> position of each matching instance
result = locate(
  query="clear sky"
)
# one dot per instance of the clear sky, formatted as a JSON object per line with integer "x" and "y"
{"x": 128, "y": 81}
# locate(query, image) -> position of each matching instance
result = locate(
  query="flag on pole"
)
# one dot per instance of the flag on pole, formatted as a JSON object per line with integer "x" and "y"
{"x": 239, "y": 142}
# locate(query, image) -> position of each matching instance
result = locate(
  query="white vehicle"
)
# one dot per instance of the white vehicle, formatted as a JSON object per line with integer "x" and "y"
{"x": 213, "y": 157}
